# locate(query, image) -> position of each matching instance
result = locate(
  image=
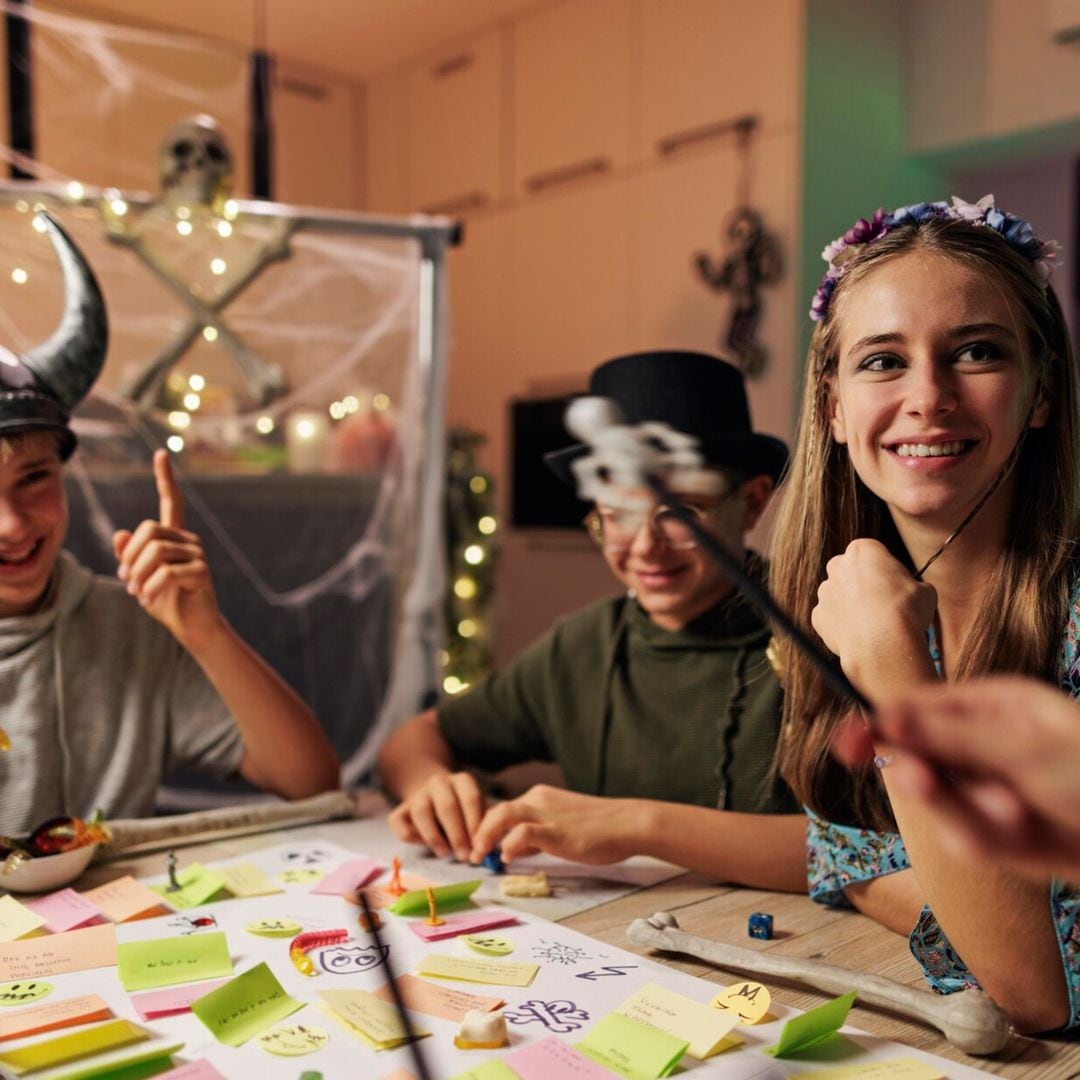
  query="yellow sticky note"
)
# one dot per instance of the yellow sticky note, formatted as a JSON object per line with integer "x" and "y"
{"x": 468, "y": 969}
{"x": 707, "y": 1030}
{"x": 375, "y": 1021}
{"x": 197, "y": 886}
{"x": 895, "y": 1069}
{"x": 749, "y": 1001}
{"x": 77, "y": 950}
{"x": 246, "y": 879}
{"x": 124, "y": 898}
{"x": 16, "y": 921}
{"x": 632, "y": 1049}
{"x": 80, "y": 1044}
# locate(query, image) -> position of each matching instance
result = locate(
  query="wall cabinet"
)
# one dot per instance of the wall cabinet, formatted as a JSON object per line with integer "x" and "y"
{"x": 455, "y": 136}
{"x": 572, "y": 99}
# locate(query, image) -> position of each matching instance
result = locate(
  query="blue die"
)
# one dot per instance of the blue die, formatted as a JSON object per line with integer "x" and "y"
{"x": 760, "y": 926}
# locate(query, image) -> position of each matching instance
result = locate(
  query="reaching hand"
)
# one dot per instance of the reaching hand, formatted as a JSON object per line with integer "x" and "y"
{"x": 996, "y": 759}
{"x": 164, "y": 566}
{"x": 582, "y": 828}
{"x": 444, "y": 813}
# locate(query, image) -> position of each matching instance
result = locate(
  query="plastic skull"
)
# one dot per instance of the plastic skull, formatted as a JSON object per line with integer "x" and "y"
{"x": 195, "y": 164}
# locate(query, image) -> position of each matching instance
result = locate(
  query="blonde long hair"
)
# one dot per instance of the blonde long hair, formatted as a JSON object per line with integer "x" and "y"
{"x": 824, "y": 506}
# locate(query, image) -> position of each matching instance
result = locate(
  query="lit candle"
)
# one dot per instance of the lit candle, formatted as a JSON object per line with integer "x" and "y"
{"x": 306, "y": 433}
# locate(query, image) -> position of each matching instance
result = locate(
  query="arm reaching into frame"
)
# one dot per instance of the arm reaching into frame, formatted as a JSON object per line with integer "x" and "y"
{"x": 998, "y": 757}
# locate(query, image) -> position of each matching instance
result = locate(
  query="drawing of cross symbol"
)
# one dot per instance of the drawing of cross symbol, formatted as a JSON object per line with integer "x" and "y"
{"x": 559, "y": 1017}
{"x": 265, "y": 380}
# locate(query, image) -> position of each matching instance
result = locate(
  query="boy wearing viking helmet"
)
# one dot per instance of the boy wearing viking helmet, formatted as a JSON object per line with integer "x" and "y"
{"x": 105, "y": 685}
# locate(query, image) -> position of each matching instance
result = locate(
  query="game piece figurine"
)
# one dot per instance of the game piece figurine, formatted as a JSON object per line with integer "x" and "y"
{"x": 170, "y": 865}
{"x": 525, "y": 884}
{"x": 395, "y": 888}
{"x": 481, "y": 1030}
{"x": 493, "y": 861}
{"x": 433, "y": 910}
{"x": 760, "y": 926}
{"x": 370, "y": 921}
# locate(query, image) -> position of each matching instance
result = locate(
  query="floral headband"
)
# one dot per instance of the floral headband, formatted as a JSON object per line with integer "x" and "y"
{"x": 1018, "y": 234}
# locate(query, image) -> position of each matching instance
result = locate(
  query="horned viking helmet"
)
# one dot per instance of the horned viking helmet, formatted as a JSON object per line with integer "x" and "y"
{"x": 39, "y": 389}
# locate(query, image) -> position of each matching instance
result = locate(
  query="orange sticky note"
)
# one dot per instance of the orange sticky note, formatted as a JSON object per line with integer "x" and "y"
{"x": 53, "y": 1015}
{"x": 125, "y": 899}
{"x": 77, "y": 950}
{"x": 446, "y": 1002}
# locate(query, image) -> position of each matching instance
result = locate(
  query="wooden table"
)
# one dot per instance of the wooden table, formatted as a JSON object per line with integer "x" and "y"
{"x": 803, "y": 928}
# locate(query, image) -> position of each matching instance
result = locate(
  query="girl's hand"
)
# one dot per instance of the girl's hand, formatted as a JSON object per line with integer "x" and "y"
{"x": 871, "y": 608}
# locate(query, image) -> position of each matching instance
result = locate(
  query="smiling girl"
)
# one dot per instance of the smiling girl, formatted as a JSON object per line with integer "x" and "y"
{"x": 927, "y": 532}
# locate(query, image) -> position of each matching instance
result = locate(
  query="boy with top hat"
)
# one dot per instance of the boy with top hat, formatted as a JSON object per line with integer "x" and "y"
{"x": 105, "y": 685}
{"x": 660, "y": 705}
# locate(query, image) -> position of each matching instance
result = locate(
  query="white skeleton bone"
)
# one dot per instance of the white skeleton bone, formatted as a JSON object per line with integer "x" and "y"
{"x": 195, "y": 164}
{"x": 970, "y": 1020}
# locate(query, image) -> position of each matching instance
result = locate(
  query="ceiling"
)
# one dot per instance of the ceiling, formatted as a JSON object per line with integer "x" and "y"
{"x": 358, "y": 38}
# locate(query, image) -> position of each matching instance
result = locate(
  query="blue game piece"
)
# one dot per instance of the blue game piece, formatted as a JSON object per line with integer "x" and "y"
{"x": 760, "y": 926}
{"x": 493, "y": 861}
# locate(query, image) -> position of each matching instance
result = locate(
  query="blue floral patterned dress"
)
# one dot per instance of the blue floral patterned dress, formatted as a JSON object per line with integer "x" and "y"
{"x": 840, "y": 855}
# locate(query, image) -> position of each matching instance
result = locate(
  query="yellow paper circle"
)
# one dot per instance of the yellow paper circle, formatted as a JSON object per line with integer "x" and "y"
{"x": 488, "y": 944}
{"x": 301, "y": 876}
{"x": 274, "y": 928}
{"x": 750, "y": 1000}
{"x": 295, "y": 1040}
{"x": 22, "y": 993}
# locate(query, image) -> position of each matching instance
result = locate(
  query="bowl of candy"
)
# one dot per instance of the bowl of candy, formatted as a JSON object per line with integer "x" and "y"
{"x": 52, "y": 856}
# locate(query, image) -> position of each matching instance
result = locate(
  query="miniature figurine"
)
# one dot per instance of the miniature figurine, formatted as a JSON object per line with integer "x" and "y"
{"x": 760, "y": 926}
{"x": 481, "y": 1030}
{"x": 493, "y": 861}
{"x": 395, "y": 888}
{"x": 170, "y": 865}
{"x": 433, "y": 910}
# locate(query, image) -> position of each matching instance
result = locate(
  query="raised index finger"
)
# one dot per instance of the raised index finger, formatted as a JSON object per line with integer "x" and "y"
{"x": 171, "y": 511}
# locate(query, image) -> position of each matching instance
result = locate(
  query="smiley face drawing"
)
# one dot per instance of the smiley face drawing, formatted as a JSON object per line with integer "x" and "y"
{"x": 352, "y": 959}
{"x": 294, "y": 1040}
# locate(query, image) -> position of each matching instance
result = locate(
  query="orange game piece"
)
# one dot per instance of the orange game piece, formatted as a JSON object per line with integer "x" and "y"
{"x": 433, "y": 911}
{"x": 395, "y": 887}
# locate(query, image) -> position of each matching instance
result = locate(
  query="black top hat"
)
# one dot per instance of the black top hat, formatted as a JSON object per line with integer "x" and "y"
{"x": 693, "y": 393}
{"x": 39, "y": 389}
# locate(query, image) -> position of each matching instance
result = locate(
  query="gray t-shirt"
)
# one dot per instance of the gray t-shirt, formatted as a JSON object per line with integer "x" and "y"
{"x": 99, "y": 701}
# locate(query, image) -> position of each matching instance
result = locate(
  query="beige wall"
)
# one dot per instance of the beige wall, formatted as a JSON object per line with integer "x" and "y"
{"x": 579, "y": 230}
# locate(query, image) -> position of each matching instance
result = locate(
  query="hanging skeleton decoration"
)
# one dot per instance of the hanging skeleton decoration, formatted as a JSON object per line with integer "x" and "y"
{"x": 195, "y": 164}
{"x": 195, "y": 167}
{"x": 753, "y": 260}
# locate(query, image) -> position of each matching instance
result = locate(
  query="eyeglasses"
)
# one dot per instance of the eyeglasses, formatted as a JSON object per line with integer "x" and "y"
{"x": 614, "y": 529}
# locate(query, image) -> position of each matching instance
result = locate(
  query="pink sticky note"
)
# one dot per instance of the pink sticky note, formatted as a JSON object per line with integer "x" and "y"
{"x": 193, "y": 1070}
{"x": 64, "y": 910}
{"x": 467, "y": 922}
{"x": 349, "y": 877}
{"x": 173, "y": 999}
{"x": 551, "y": 1059}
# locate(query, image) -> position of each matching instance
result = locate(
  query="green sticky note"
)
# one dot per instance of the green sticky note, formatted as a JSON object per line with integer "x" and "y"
{"x": 152, "y": 1062}
{"x": 813, "y": 1027}
{"x": 632, "y": 1049}
{"x": 144, "y": 965}
{"x": 197, "y": 886}
{"x": 447, "y": 898}
{"x": 95, "y": 1040}
{"x": 244, "y": 1006}
{"x": 490, "y": 1070}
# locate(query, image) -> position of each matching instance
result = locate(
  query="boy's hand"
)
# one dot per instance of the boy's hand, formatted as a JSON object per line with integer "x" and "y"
{"x": 583, "y": 828}
{"x": 443, "y": 813}
{"x": 164, "y": 565}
